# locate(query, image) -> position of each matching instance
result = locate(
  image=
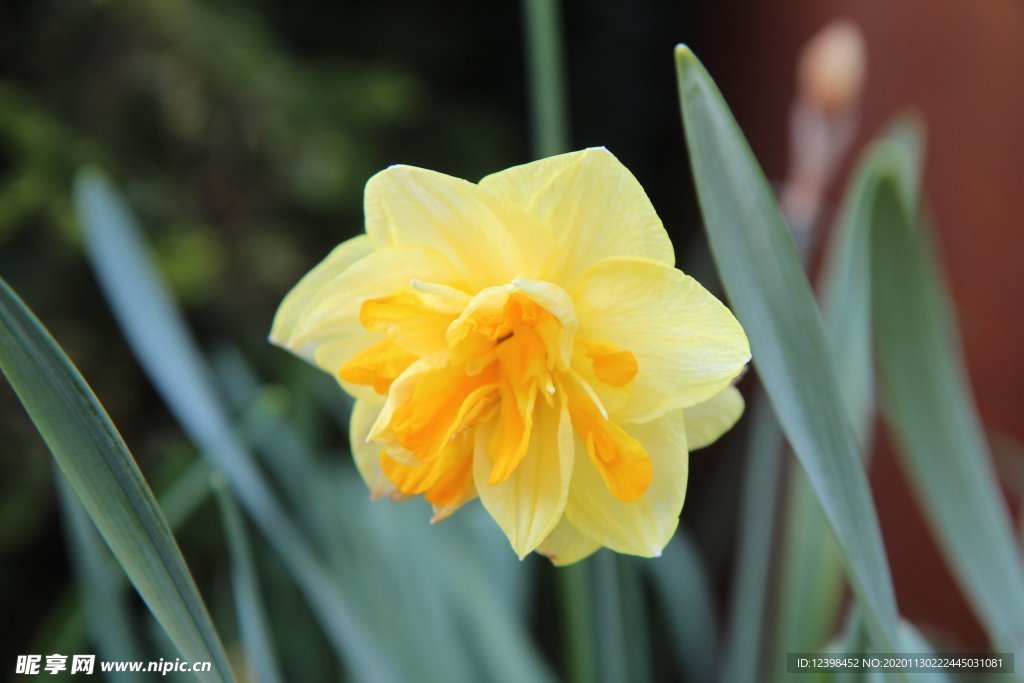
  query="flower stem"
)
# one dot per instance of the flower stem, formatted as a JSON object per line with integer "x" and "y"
{"x": 546, "y": 76}
{"x": 578, "y": 616}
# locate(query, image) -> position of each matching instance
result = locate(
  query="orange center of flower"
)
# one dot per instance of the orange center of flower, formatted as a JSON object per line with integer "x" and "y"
{"x": 448, "y": 364}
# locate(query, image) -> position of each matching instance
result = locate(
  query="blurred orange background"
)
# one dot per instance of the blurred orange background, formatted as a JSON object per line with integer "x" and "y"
{"x": 961, "y": 66}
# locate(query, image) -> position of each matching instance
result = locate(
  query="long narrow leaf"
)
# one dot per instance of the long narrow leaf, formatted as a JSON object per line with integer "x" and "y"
{"x": 634, "y": 620}
{"x": 252, "y": 617}
{"x": 811, "y": 572}
{"x": 576, "y": 591}
{"x": 763, "y": 276}
{"x": 103, "y": 474}
{"x": 685, "y": 593}
{"x": 747, "y": 636}
{"x": 158, "y": 335}
{"x": 930, "y": 408}
{"x": 107, "y": 616}
{"x": 177, "y": 502}
{"x": 611, "y": 638}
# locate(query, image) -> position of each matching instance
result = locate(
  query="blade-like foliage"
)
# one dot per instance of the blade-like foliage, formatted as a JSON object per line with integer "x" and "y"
{"x": 929, "y": 405}
{"x": 611, "y": 655}
{"x": 685, "y": 594}
{"x": 252, "y": 617}
{"x": 104, "y": 476}
{"x": 157, "y": 333}
{"x": 811, "y": 573}
{"x": 103, "y": 588}
{"x": 763, "y": 276}
{"x": 746, "y": 636}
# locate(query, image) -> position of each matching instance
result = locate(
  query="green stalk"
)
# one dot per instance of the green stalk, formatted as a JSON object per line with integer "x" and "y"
{"x": 549, "y": 111}
{"x": 747, "y": 638}
{"x": 578, "y": 617}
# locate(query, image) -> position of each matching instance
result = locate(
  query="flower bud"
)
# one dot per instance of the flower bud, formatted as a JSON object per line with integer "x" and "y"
{"x": 833, "y": 66}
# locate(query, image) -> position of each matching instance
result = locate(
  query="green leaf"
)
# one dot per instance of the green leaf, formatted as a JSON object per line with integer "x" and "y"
{"x": 252, "y": 617}
{"x": 686, "y": 596}
{"x": 810, "y": 576}
{"x": 747, "y": 635}
{"x": 611, "y": 655}
{"x": 177, "y": 502}
{"x": 770, "y": 294}
{"x": 811, "y": 573}
{"x": 108, "y": 618}
{"x": 158, "y": 336}
{"x": 928, "y": 403}
{"x": 180, "y": 499}
{"x": 635, "y": 620}
{"x": 846, "y": 276}
{"x": 106, "y": 480}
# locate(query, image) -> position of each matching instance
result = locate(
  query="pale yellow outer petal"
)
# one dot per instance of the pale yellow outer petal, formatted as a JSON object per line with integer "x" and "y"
{"x": 567, "y": 545}
{"x": 297, "y": 300}
{"x": 589, "y": 206}
{"x": 330, "y": 316}
{"x": 687, "y": 344}
{"x": 645, "y": 526}
{"x": 367, "y": 455}
{"x": 406, "y": 205}
{"x": 707, "y": 421}
{"x": 528, "y": 504}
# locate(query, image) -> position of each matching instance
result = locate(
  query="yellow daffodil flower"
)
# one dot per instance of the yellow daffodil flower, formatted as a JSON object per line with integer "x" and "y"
{"x": 527, "y": 340}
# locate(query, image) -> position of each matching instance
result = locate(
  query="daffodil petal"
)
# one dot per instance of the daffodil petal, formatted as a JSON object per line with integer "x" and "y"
{"x": 454, "y": 489}
{"x": 511, "y": 438}
{"x": 409, "y": 205}
{"x": 610, "y": 365}
{"x": 621, "y": 459}
{"x": 415, "y": 320}
{"x": 557, "y": 302}
{"x": 367, "y": 455}
{"x": 688, "y": 346}
{"x": 528, "y": 504}
{"x": 590, "y": 206}
{"x": 415, "y": 479}
{"x": 329, "y": 332}
{"x": 377, "y": 366}
{"x": 428, "y": 405}
{"x": 335, "y": 308}
{"x": 400, "y": 391}
{"x": 334, "y": 353}
{"x": 707, "y": 421}
{"x": 645, "y": 526}
{"x": 567, "y": 545}
{"x": 297, "y": 300}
